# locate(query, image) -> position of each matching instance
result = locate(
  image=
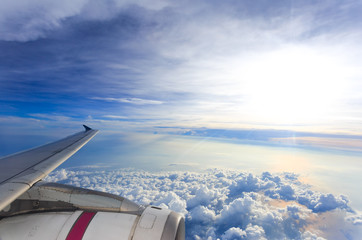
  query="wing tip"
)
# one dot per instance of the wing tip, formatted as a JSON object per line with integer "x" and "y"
{"x": 86, "y": 128}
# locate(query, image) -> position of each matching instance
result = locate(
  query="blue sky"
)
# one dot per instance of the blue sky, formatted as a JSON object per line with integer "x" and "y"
{"x": 230, "y": 65}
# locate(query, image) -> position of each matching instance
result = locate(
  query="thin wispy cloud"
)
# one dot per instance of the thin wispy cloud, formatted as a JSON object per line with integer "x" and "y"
{"x": 54, "y": 117}
{"x": 137, "y": 101}
{"x": 115, "y": 117}
{"x": 39, "y": 18}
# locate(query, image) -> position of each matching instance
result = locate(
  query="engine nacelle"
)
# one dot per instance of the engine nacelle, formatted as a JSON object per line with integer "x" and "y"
{"x": 60, "y": 212}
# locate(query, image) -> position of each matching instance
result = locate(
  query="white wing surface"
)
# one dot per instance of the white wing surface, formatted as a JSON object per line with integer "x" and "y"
{"x": 19, "y": 172}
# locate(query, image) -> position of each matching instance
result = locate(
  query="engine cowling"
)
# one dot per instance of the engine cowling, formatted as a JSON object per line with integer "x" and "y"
{"x": 55, "y": 211}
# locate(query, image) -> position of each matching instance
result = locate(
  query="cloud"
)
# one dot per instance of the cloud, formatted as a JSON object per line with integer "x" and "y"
{"x": 356, "y": 219}
{"x": 137, "y": 101}
{"x": 251, "y": 232}
{"x": 217, "y": 206}
{"x": 22, "y": 21}
{"x": 347, "y": 143}
{"x": 115, "y": 117}
{"x": 53, "y": 117}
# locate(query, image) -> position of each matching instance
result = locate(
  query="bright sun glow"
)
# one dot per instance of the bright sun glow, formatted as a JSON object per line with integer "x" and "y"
{"x": 293, "y": 85}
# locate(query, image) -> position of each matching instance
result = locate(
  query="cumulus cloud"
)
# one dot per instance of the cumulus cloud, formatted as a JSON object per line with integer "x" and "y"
{"x": 226, "y": 204}
{"x": 251, "y": 232}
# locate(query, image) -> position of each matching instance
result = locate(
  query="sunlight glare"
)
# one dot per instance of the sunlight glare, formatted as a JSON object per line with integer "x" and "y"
{"x": 294, "y": 85}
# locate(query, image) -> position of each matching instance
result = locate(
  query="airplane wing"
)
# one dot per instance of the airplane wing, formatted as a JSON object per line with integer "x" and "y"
{"x": 21, "y": 171}
{"x": 34, "y": 209}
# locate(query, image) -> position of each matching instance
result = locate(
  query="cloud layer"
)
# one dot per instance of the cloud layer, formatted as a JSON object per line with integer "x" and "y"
{"x": 25, "y": 21}
{"x": 226, "y": 204}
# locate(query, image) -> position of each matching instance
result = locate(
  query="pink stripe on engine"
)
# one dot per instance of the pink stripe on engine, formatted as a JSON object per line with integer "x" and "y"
{"x": 80, "y": 226}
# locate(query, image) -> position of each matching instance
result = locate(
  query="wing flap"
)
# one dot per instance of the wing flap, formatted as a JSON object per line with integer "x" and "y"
{"x": 20, "y": 171}
{"x": 10, "y": 191}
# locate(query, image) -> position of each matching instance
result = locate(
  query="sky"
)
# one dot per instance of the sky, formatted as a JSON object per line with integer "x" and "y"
{"x": 235, "y": 64}
{"x": 249, "y": 86}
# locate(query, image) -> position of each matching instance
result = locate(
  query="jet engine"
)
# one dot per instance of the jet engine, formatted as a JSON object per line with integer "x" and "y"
{"x": 55, "y": 211}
